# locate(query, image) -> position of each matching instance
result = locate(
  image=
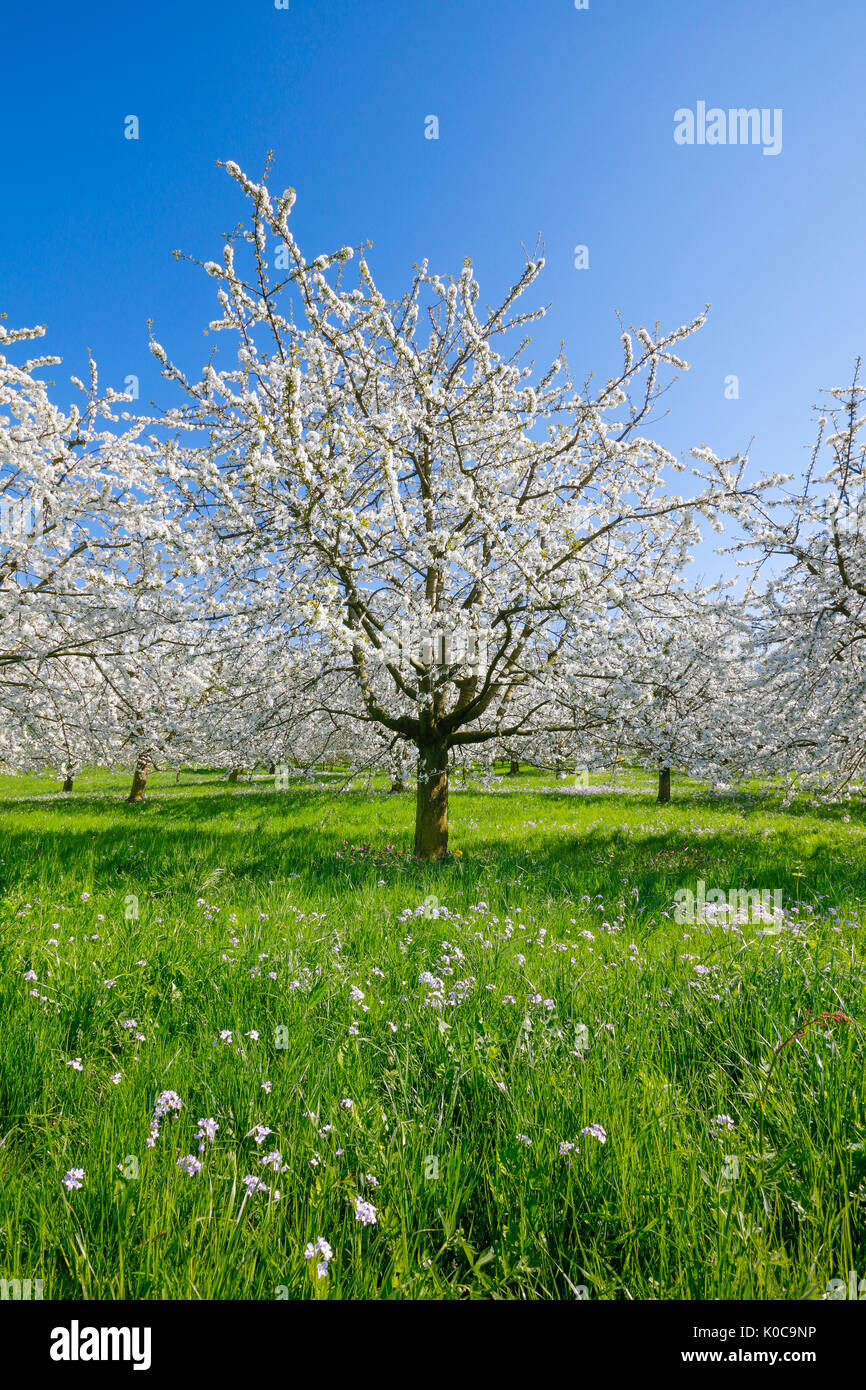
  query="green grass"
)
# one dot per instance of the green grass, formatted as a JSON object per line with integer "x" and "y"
{"x": 231, "y": 884}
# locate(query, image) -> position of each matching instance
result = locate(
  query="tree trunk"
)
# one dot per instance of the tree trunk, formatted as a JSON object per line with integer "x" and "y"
{"x": 664, "y": 795}
{"x": 234, "y": 774}
{"x": 514, "y": 767}
{"x": 431, "y": 809}
{"x": 69, "y": 783}
{"x": 139, "y": 780}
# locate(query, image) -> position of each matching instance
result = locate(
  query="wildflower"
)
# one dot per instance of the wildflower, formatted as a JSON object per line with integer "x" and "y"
{"x": 346, "y": 1104}
{"x": 254, "y": 1184}
{"x": 116, "y": 1078}
{"x": 272, "y": 1160}
{"x": 365, "y": 1212}
{"x": 226, "y": 1035}
{"x": 318, "y": 1247}
{"x": 722, "y": 1122}
{"x": 31, "y": 975}
{"x": 206, "y": 1131}
{"x": 357, "y": 995}
{"x": 166, "y": 1101}
{"x": 523, "y": 1139}
{"x": 76, "y": 1064}
{"x": 566, "y": 1147}
{"x": 266, "y": 1087}
{"x": 259, "y": 1133}
{"x": 74, "y": 1178}
{"x": 190, "y": 1164}
{"x": 597, "y": 1133}
{"x": 253, "y": 1034}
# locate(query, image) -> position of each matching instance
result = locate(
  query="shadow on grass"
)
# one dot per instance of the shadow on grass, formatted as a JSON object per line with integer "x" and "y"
{"x": 170, "y": 847}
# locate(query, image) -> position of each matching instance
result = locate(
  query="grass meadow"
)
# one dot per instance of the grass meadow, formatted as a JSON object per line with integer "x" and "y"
{"x": 239, "y": 1021}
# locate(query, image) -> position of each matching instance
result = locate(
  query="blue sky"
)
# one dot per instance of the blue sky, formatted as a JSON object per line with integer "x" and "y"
{"x": 552, "y": 121}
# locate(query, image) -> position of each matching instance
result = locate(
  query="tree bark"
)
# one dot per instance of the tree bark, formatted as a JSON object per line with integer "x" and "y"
{"x": 234, "y": 774}
{"x": 431, "y": 807}
{"x": 514, "y": 767}
{"x": 139, "y": 780}
{"x": 664, "y": 795}
{"x": 69, "y": 783}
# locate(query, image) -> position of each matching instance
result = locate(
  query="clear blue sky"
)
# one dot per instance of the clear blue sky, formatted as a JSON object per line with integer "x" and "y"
{"x": 552, "y": 121}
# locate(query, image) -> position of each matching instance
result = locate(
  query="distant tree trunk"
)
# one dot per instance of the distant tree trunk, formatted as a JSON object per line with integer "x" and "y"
{"x": 514, "y": 767}
{"x": 234, "y": 774}
{"x": 139, "y": 779}
{"x": 664, "y": 795}
{"x": 69, "y": 783}
{"x": 431, "y": 808}
{"x": 176, "y": 775}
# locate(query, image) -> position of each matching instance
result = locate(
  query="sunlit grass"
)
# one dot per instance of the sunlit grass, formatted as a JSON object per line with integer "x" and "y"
{"x": 176, "y": 914}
